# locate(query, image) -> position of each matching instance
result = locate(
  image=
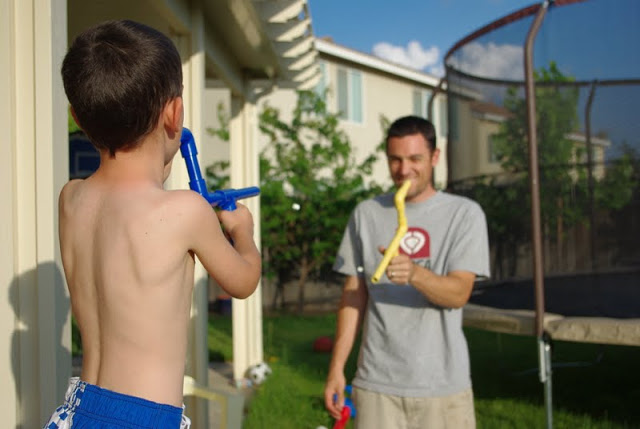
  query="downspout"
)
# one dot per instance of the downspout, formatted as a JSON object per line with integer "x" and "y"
{"x": 436, "y": 91}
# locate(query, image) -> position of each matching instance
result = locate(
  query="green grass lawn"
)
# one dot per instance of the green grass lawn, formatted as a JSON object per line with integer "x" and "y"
{"x": 594, "y": 386}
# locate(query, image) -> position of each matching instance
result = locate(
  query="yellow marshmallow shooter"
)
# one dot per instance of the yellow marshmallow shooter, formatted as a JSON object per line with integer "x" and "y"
{"x": 392, "y": 249}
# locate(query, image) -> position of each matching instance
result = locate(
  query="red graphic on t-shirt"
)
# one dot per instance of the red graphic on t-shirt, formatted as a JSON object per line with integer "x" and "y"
{"x": 416, "y": 243}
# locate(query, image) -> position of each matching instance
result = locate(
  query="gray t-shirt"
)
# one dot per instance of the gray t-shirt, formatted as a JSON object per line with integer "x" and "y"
{"x": 411, "y": 347}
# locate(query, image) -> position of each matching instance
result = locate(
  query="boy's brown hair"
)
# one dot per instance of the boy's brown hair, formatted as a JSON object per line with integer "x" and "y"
{"x": 118, "y": 76}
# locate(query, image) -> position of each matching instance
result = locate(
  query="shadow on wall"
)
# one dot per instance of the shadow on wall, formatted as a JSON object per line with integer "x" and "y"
{"x": 24, "y": 299}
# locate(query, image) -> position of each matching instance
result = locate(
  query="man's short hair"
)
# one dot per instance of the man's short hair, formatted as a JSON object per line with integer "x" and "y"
{"x": 118, "y": 77}
{"x": 409, "y": 125}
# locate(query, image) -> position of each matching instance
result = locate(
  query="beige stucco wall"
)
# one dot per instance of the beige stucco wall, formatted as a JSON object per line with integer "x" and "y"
{"x": 483, "y": 129}
{"x": 463, "y": 154}
{"x": 35, "y": 322}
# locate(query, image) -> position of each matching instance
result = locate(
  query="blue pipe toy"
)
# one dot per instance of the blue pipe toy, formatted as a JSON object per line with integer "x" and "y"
{"x": 225, "y": 198}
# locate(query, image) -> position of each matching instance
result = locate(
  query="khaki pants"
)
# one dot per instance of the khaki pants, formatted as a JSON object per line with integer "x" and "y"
{"x": 379, "y": 411}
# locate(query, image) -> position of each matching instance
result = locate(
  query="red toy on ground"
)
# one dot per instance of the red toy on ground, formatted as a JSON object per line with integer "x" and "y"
{"x": 323, "y": 344}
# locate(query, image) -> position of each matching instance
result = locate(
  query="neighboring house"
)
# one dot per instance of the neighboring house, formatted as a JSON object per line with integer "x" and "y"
{"x": 599, "y": 146}
{"x": 364, "y": 89}
{"x": 473, "y": 153}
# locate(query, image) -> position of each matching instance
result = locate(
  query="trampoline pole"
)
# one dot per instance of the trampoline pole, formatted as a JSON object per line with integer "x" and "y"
{"x": 544, "y": 360}
{"x": 544, "y": 350}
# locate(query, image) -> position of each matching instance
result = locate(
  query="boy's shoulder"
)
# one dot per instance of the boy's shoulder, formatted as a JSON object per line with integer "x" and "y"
{"x": 71, "y": 185}
{"x": 181, "y": 199}
{"x": 187, "y": 203}
{"x": 186, "y": 196}
{"x": 69, "y": 191}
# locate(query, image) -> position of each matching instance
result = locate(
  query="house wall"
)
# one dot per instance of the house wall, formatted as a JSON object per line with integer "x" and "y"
{"x": 462, "y": 154}
{"x": 484, "y": 129}
{"x": 35, "y": 322}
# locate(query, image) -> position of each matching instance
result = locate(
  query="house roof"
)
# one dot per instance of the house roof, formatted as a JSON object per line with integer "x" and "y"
{"x": 490, "y": 110}
{"x": 582, "y": 138}
{"x": 244, "y": 40}
{"x": 263, "y": 39}
{"x": 328, "y": 47}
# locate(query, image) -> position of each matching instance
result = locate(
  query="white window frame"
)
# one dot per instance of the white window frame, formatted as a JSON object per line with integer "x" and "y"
{"x": 350, "y": 113}
{"x": 492, "y": 157}
{"x": 439, "y": 118}
{"x": 322, "y": 86}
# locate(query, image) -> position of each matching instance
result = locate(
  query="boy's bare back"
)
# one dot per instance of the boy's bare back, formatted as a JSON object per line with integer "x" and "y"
{"x": 128, "y": 251}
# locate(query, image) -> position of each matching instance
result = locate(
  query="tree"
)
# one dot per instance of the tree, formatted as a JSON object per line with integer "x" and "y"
{"x": 310, "y": 181}
{"x": 564, "y": 190}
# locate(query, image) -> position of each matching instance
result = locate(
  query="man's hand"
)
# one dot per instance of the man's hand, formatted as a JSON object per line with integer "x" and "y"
{"x": 400, "y": 269}
{"x": 334, "y": 394}
{"x": 450, "y": 291}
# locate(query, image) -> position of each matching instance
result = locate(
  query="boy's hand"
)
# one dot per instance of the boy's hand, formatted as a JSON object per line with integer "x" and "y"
{"x": 238, "y": 221}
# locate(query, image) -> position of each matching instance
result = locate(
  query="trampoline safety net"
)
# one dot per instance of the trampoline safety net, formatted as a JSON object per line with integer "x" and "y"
{"x": 586, "y": 65}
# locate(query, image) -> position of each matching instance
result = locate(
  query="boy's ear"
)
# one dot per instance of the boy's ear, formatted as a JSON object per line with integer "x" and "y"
{"x": 173, "y": 114}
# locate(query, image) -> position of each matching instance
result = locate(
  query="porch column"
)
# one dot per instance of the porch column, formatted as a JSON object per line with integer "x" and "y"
{"x": 191, "y": 48}
{"x": 245, "y": 172}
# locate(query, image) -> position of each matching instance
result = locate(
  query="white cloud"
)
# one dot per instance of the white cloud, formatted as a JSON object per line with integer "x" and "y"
{"x": 437, "y": 70}
{"x": 490, "y": 61}
{"x": 413, "y": 55}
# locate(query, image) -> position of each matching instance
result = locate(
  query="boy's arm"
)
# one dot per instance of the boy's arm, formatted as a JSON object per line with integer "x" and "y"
{"x": 235, "y": 267}
{"x": 352, "y": 307}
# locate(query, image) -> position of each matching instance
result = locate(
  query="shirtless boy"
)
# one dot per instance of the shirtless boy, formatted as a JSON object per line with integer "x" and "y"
{"x": 128, "y": 246}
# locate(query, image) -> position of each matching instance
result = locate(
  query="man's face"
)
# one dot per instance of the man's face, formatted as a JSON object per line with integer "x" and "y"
{"x": 410, "y": 158}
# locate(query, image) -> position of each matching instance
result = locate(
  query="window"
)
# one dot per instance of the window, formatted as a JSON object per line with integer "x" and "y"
{"x": 442, "y": 115}
{"x": 418, "y": 104}
{"x": 421, "y": 99}
{"x": 323, "y": 84}
{"x": 491, "y": 146}
{"x": 84, "y": 158}
{"x": 349, "y": 94}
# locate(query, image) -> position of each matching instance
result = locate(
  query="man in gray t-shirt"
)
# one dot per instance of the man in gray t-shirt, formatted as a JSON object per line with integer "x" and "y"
{"x": 413, "y": 365}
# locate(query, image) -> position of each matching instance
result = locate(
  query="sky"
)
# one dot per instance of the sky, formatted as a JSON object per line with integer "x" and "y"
{"x": 589, "y": 41}
{"x": 413, "y": 33}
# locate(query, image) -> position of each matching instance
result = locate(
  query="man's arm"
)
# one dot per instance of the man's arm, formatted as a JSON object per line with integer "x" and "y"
{"x": 450, "y": 291}
{"x": 350, "y": 314}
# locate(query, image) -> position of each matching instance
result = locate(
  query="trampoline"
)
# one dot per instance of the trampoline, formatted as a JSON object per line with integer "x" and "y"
{"x": 543, "y": 132}
{"x": 610, "y": 314}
